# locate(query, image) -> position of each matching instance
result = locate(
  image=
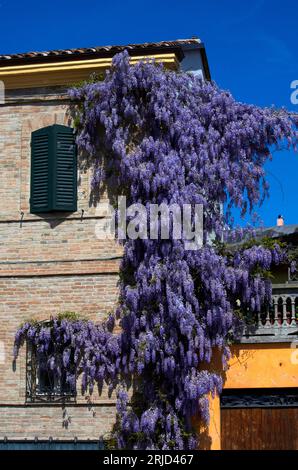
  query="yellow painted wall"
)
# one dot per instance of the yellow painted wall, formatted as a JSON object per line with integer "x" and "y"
{"x": 251, "y": 366}
{"x": 68, "y": 73}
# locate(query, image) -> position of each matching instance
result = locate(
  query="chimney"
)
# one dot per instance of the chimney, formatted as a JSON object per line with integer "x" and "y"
{"x": 280, "y": 221}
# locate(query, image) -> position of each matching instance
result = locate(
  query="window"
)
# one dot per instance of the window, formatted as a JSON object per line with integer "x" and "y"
{"x": 53, "y": 170}
{"x": 292, "y": 277}
{"x": 44, "y": 384}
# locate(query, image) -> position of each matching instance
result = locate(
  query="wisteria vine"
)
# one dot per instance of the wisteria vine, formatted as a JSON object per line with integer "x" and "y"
{"x": 165, "y": 137}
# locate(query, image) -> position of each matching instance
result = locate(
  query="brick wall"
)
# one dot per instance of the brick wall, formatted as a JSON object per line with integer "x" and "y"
{"x": 48, "y": 264}
{"x": 44, "y": 422}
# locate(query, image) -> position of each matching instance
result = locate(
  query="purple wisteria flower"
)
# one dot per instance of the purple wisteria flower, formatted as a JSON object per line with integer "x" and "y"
{"x": 167, "y": 137}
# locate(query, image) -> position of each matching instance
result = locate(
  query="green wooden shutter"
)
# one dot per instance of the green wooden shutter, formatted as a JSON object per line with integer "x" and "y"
{"x": 40, "y": 171}
{"x": 53, "y": 170}
{"x": 65, "y": 169}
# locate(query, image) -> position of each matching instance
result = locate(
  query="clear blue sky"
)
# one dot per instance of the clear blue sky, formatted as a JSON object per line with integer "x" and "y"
{"x": 252, "y": 47}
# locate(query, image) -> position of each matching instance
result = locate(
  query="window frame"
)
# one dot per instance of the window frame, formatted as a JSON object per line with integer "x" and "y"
{"x": 53, "y": 177}
{"x": 33, "y": 394}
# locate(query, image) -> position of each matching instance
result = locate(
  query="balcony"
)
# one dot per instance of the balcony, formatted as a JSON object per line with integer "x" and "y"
{"x": 279, "y": 321}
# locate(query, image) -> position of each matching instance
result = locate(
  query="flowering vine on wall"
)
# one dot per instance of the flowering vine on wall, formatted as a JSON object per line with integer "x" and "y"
{"x": 167, "y": 137}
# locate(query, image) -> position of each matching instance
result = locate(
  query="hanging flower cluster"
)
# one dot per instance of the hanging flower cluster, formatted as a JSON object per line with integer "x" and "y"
{"x": 71, "y": 346}
{"x": 166, "y": 137}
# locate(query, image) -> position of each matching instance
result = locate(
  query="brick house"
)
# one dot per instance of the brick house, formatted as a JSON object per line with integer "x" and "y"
{"x": 51, "y": 261}
{"x": 50, "y": 258}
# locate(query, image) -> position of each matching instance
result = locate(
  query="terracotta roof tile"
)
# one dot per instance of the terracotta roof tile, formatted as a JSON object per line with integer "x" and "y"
{"x": 98, "y": 51}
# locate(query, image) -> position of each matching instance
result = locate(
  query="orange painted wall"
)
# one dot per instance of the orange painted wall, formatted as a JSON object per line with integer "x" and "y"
{"x": 251, "y": 366}
{"x": 262, "y": 366}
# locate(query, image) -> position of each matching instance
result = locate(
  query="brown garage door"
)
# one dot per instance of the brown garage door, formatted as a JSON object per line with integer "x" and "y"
{"x": 259, "y": 419}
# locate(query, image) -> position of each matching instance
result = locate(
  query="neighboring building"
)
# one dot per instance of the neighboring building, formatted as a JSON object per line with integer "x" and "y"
{"x": 258, "y": 408}
{"x": 50, "y": 258}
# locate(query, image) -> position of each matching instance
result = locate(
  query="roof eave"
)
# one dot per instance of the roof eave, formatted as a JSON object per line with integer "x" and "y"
{"x": 64, "y": 56}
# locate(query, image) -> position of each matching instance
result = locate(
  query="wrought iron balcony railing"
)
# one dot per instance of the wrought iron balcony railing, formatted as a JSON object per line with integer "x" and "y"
{"x": 279, "y": 321}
